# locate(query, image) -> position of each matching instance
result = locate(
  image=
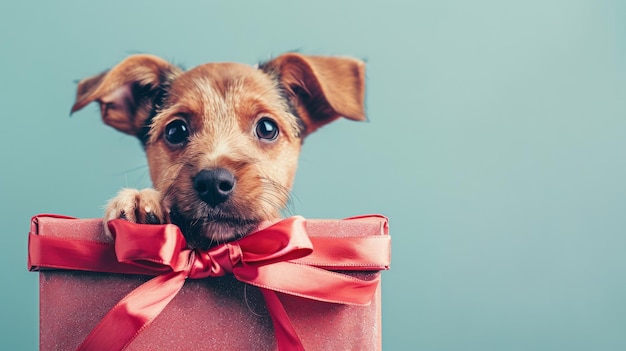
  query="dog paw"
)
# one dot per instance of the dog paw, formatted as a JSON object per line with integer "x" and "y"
{"x": 138, "y": 206}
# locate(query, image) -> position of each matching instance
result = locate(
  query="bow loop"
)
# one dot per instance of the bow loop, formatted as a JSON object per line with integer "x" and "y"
{"x": 157, "y": 248}
{"x": 283, "y": 241}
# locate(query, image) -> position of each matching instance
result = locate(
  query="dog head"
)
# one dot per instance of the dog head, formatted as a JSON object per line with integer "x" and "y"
{"x": 222, "y": 139}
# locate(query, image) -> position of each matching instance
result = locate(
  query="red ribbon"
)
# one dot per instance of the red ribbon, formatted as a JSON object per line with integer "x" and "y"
{"x": 279, "y": 258}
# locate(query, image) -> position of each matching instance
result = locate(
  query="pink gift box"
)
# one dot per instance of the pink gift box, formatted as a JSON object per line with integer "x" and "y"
{"x": 207, "y": 314}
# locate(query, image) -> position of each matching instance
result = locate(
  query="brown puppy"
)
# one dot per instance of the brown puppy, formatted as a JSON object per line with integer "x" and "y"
{"x": 222, "y": 139}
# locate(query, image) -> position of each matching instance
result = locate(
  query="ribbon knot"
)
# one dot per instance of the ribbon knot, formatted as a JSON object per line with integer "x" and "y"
{"x": 214, "y": 263}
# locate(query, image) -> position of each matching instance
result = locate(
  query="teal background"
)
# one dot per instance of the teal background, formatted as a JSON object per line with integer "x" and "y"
{"x": 496, "y": 145}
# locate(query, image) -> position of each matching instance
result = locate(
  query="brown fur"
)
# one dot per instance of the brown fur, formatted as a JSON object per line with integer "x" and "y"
{"x": 221, "y": 103}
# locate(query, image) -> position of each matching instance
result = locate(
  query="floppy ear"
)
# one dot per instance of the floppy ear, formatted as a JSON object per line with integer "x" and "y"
{"x": 127, "y": 92}
{"x": 321, "y": 88}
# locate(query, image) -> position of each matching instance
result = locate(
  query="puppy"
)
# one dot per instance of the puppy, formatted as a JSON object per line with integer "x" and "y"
{"x": 222, "y": 139}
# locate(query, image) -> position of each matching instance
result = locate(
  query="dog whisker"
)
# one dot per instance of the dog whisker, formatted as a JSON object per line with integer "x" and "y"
{"x": 134, "y": 169}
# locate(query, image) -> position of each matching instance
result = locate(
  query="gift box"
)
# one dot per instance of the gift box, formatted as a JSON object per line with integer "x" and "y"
{"x": 317, "y": 290}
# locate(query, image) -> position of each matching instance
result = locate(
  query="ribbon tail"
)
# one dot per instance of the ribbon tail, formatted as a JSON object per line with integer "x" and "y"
{"x": 137, "y": 310}
{"x": 286, "y": 336}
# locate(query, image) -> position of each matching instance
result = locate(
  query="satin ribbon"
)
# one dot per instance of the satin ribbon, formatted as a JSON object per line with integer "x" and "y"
{"x": 280, "y": 258}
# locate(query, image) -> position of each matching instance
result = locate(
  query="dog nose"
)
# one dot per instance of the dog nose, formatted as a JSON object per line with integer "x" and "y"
{"x": 214, "y": 186}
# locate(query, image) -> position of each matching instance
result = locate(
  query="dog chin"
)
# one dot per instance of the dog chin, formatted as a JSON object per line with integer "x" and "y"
{"x": 219, "y": 232}
{"x": 206, "y": 232}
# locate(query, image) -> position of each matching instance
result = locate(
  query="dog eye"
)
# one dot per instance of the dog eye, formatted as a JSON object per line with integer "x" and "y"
{"x": 176, "y": 132}
{"x": 267, "y": 129}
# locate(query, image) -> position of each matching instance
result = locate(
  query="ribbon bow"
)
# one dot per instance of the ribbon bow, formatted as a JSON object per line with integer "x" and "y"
{"x": 263, "y": 258}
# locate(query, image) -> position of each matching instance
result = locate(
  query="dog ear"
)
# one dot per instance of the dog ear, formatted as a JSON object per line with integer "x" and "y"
{"x": 126, "y": 92}
{"x": 321, "y": 88}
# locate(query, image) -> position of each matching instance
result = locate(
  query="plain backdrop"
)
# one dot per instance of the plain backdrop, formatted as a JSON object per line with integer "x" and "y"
{"x": 496, "y": 145}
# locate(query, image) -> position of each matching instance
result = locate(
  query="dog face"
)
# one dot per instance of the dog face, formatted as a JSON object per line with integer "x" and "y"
{"x": 222, "y": 139}
{"x": 224, "y": 149}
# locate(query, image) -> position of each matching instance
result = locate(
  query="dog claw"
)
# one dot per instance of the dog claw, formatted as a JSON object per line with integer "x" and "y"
{"x": 137, "y": 206}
